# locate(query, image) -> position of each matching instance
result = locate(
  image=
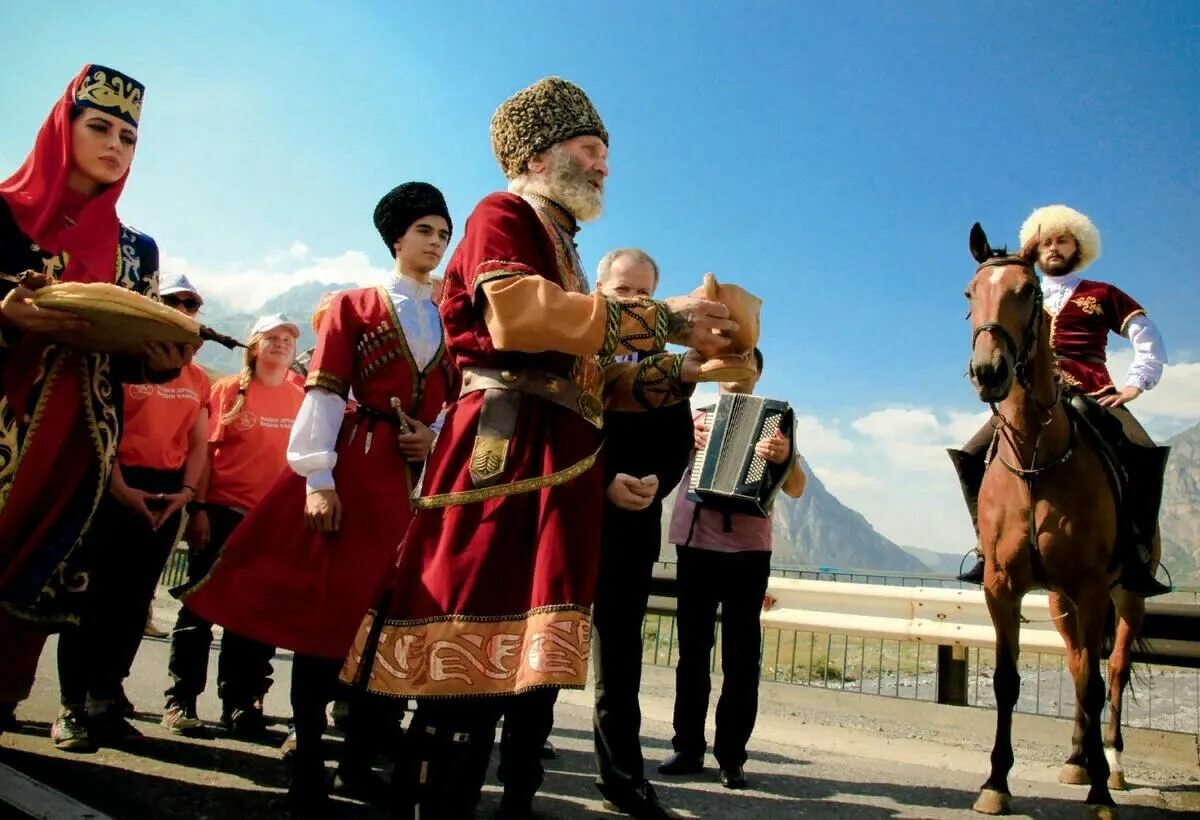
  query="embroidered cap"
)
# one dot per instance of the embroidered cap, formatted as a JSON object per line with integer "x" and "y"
{"x": 535, "y": 118}
{"x": 266, "y": 324}
{"x": 1051, "y": 220}
{"x": 112, "y": 92}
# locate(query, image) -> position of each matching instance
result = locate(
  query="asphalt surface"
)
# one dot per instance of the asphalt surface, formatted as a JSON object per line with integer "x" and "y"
{"x": 861, "y": 757}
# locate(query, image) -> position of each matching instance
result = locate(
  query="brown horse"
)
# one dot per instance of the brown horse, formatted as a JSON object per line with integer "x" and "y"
{"x": 1047, "y": 519}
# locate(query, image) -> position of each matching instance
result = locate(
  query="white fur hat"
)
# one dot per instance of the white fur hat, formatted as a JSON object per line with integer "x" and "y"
{"x": 1053, "y": 219}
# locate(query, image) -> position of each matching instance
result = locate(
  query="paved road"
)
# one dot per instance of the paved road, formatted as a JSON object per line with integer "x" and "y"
{"x": 807, "y": 760}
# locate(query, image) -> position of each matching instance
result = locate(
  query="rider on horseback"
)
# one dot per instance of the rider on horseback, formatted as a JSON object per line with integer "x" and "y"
{"x": 1082, "y": 312}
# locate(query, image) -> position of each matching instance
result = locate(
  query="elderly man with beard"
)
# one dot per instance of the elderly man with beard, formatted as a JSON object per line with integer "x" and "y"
{"x": 487, "y": 609}
{"x": 1083, "y": 312}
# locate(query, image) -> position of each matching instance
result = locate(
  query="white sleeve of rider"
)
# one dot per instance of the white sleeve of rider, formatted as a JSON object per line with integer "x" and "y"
{"x": 1149, "y": 353}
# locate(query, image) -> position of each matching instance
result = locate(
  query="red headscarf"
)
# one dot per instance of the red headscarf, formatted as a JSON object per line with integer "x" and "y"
{"x": 39, "y": 198}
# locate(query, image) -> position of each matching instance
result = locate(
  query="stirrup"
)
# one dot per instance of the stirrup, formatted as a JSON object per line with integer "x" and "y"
{"x": 1137, "y": 579}
{"x": 975, "y": 574}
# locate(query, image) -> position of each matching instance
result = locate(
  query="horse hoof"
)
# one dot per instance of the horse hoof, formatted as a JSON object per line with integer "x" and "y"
{"x": 991, "y": 801}
{"x": 1074, "y": 775}
{"x": 1116, "y": 781}
{"x": 1100, "y": 812}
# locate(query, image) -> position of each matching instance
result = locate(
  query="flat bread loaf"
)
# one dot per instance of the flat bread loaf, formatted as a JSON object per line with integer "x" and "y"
{"x": 119, "y": 320}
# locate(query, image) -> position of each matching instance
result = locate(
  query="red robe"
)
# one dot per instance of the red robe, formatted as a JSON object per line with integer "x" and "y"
{"x": 1079, "y": 334}
{"x": 276, "y": 581}
{"x": 492, "y": 589}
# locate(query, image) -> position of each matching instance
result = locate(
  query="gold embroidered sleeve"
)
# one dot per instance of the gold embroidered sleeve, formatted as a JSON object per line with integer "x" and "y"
{"x": 531, "y": 314}
{"x": 328, "y": 381}
{"x": 656, "y": 381}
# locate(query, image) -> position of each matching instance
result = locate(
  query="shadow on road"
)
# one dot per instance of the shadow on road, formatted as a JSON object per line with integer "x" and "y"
{"x": 150, "y": 785}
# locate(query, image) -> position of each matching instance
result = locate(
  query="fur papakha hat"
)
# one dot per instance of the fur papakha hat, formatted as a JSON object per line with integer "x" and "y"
{"x": 535, "y": 118}
{"x": 404, "y": 205}
{"x": 1055, "y": 219}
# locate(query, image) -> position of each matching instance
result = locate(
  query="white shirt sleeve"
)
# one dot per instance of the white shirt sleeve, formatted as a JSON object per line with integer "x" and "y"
{"x": 1149, "y": 353}
{"x": 312, "y": 446}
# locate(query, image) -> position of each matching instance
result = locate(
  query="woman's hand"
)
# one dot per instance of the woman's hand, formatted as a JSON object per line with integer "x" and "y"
{"x": 135, "y": 500}
{"x": 18, "y": 310}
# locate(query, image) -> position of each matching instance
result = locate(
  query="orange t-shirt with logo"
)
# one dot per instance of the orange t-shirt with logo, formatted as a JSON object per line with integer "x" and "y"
{"x": 251, "y": 449}
{"x": 159, "y": 419}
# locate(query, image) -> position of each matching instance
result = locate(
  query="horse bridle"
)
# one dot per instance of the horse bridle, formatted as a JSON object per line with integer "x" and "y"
{"x": 1020, "y": 355}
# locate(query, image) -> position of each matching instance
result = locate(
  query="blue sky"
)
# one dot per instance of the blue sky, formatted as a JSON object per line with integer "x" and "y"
{"x": 830, "y": 160}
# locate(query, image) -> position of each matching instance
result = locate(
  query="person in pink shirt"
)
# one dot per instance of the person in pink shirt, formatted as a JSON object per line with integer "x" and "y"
{"x": 724, "y": 559}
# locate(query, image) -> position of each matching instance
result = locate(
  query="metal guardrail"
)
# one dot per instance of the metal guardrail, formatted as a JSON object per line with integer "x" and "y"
{"x": 1166, "y": 692}
{"x": 830, "y": 655}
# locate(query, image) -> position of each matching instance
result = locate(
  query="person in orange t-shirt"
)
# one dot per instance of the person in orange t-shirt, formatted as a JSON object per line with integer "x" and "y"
{"x": 250, "y": 420}
{"x": 161, "y": 457}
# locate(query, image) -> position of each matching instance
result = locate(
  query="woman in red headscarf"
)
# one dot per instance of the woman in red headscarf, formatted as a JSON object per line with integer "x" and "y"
{"x": 60, "y": 406}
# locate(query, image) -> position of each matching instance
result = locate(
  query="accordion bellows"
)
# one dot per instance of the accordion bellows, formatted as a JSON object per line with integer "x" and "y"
{"x": 119, "y": 320}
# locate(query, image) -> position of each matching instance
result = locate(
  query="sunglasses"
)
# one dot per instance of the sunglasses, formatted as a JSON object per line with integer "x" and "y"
{"x": 188, "y": 304}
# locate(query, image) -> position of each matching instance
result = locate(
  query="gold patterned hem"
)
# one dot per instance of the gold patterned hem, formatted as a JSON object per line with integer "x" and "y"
{"x": 463, "y": 656}
{"x": 525, "y": 485}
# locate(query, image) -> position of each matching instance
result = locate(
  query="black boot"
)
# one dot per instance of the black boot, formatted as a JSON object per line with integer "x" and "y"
{"x": 308, "y": 791}
{"x": 438, "y": 776}
{"x": 970, "y": 468}
{"x": 1145, "y": 467}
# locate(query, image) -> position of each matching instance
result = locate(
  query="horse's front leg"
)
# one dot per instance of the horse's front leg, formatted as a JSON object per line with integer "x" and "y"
{"x": 1091, "y": 612}
{"x": 1005, "y": 609}
{"x": 1131, "y": 612}
{"x": 1074, "y": 771}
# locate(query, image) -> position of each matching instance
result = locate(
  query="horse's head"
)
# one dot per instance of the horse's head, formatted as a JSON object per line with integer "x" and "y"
{"x": 1006, "y": 315}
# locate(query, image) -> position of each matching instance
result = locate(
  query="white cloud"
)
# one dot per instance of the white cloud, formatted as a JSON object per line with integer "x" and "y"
{"x": 820, "y": 441}
{"x": 899, "y": 424}
{"x": 247, "y": 287}
{"x": 1173, "y": 405}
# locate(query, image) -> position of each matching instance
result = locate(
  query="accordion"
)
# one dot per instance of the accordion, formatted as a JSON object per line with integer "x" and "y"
{"x": 727, "y": 474}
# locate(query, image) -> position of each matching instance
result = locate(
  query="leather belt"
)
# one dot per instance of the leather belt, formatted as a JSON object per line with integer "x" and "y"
{"x": 541, "y": 383}
{"x": 502, "y": 389}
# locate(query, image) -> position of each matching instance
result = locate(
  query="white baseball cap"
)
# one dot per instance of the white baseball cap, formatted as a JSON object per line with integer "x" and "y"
{"x": 266, "y": 324}
{"x": 176, "y": 283}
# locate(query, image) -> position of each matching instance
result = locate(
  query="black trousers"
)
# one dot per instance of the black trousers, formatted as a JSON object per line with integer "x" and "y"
{"x": 738, "y": 582}
{"x": 450, "y": 743}
{"x": 314, "y": 684}
{"x": 244, "y": 665}
{"x": 94, "y": 657}
{"x": 627, "y": 561}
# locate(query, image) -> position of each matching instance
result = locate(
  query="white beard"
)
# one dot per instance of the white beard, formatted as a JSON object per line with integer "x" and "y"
{"x": 567, "y": 185}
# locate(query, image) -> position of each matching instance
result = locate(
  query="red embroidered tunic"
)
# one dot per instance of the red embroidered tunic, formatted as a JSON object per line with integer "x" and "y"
{"x": 1079, "y": 333}
{"x": 492, "y": 590}
{"x": 275, "y": 580}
